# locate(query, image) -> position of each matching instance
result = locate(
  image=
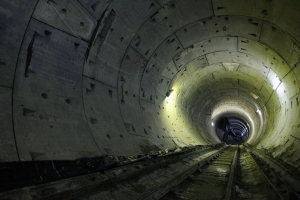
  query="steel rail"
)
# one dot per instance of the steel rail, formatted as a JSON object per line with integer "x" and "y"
{"x": 230, "y": 185}
{"x": 166, "y": 186}
{"x": 287, "y": 177}
{"x": 100, "y": 183}
{"x": 266, "y": 177}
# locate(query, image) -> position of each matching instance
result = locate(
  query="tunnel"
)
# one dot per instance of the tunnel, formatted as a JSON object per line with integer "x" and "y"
{"x": 88, "y": 85}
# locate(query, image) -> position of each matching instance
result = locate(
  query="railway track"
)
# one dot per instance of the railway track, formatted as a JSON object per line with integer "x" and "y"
{"x": 235, "y": 174}
{"x": 209, "y": 182}
{"x": 209, "y": 173}
{"x": 252, "y": 182}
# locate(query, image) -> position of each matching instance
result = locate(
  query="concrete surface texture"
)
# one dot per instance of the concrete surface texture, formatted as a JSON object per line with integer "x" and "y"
{"x": 85, "y": 78}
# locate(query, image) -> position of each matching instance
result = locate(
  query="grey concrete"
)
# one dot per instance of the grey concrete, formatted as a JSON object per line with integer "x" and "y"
{"x": 87, "y": 78}
{"x": 56, "y": 106}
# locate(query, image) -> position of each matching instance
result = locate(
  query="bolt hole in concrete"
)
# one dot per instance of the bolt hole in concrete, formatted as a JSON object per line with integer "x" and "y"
{"x": 44, "y": 96}
{"x": 68, "y": 101}
{"x": 264, "y": 12}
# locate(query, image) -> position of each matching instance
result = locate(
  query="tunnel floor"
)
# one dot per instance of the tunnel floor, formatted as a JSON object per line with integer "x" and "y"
{"x": 210, "y": 182}
{"x": 222, "y": 171}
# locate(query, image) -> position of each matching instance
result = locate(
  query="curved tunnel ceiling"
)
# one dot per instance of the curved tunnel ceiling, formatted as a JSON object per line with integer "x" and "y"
{"x": 89, "y": 77}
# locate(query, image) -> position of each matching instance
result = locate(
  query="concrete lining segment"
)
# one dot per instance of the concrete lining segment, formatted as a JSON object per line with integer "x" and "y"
{"x": 154, "y": 30}
{"x": 48, "y": 97}
{"x": 68, "y": 16}
{"x": 251, "y": 63}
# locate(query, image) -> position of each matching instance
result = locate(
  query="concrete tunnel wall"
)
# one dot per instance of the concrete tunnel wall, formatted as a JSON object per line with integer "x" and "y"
{"x": 87, "y": 78}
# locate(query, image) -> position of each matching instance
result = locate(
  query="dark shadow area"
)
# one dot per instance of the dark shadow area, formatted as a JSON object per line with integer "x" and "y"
{"x": 232, "y": 129}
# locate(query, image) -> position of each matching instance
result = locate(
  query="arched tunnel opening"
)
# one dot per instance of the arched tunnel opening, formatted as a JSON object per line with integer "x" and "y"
{"x": 136, "y": 99}
{"x": 232, "y": 129}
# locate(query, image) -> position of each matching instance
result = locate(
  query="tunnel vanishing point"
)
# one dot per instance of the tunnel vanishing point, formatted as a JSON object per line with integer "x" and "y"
{"x": 128, "y": 98}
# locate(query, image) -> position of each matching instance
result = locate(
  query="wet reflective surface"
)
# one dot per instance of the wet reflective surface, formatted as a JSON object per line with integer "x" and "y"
{"x": 208, "y": 183}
